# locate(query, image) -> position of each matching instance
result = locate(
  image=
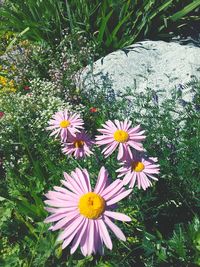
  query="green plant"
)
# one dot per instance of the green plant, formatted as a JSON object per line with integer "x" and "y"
{"x": 34, "y": 163}
{"x": 181, "y": 249}
{"x": 42, "y": 19}
{"x": 110, "y": 24}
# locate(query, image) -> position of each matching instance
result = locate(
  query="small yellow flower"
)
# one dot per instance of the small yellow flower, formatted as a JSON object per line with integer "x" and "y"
{"x": 3, "y": 80}
{"x": 11, "y": 83}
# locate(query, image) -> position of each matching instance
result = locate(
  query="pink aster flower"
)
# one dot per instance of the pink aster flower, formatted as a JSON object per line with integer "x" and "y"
{"x": 120, "y": 134}
{"x": 140, "y": 169}
{"x": 65, "y": 124}
{"x": 83, "y": 215}
{"x": 78, "y": 145}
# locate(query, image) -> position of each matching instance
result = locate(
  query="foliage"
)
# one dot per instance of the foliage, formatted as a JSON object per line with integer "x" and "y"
{"x": 165, "y": 220}
{"x": 25, "y": 61}
{"x": 110, "y": 24}
{"x": 42, "y": 19}
{"x": 181, "y": 249}
{"x": 34, "y": 163}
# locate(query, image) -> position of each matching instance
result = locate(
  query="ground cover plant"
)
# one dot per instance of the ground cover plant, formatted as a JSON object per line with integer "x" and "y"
{"x": 44, "y": 45}
{"x": 34, "y": 163}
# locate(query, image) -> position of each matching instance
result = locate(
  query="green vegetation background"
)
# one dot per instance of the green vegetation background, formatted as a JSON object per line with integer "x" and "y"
{"x": 43, "y": 45}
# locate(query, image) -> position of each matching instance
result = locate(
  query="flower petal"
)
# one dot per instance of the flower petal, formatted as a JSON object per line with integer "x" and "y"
{"x": 116, "y": 230}
{"x": 104, "y": 234}
{"x": 117, "y": 215}
{"x": 101, "y": 181}
{"x": 118, "y": 197}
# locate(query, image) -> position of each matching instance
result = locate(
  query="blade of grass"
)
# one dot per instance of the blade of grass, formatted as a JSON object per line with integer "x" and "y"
{"x": 178, "y": 15}
{"x": 103, "y": 27}
{"x": 16, "y": 38}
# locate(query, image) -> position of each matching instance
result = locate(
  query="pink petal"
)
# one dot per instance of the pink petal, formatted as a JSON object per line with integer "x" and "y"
{"x": 59, "y": 210}
{"x": 135, "y": 129}
{"x": 111, "y": 149}
{"x": 137, "y": 146}
{"x": 111, "y": 125}
{"x": 73, "y": 187}
{"x": 117, "y": 215}
{"x": 59, "y": 196}
{"x": 81, "y": 179}
{"x": 152, "y": 177}
{"x": 101, "y": 181}
{"x": 79, "y": 236}
{"x": 151, "y": 171}
{"x": 113, "y": 192}
{"x": 65, "y": 191}
{"x": 104, "y": 234}
{"x": 116, "y": 230}
{"x": 68, "y": 240}
{"x": 118, "y": 197}
{"x": 84, "y": 241}
{"x": 75, "y": 182}
{"x": 118, "y": 124}
{"x": 127, "y": 178}
{"x": 91, "y": 237}
{"x": 120, "y": 152}
{"x": 98, "y": 240}
{"x": 60, "y": 203}
{"x": 62, "y": 222}
{"x": 56, "y": 132}
{"x": 71, "y": 228}
{"x": 87, "y": 180}
{"x": 111, "y": 187}
{"x": 55, "y": 217}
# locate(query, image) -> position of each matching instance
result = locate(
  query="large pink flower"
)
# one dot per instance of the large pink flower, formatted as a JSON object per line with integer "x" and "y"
{"x": 139, "y": 168}
{"x": 120, "y": 134}
{"x": 83, "y": 214}
{"x": 65, "y": 124}
{"x": 78, "y": 145}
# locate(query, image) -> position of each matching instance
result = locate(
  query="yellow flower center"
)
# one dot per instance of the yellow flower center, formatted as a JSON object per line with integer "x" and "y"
{"x": 79, "y": 144}
{"x": 121, "y": 136}
{"x": 91, "y": 205}
{"x": 64, "y": 124}
{"x": 137, "y": 166}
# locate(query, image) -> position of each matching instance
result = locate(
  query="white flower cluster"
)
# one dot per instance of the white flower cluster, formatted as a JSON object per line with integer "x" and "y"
{"x": 27, "y": 114}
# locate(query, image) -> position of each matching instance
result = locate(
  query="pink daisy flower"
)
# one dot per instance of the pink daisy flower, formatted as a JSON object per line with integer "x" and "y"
{"x": 83, "y": 215}
{"x": 120, "y": 134}
{"x": 79, "y": 146}
{"x": 140, "y": 169}
{"x": 65, "y": 124}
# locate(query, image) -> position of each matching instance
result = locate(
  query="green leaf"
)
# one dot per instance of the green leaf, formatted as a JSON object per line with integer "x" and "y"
{"x": 178, "y": 15}
{"x": 103, "y": 27}
{"x": 15, "y": 39}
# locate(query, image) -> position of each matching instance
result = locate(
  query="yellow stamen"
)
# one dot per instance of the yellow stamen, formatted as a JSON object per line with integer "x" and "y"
{"x": 64, "y": 124}
{"x": 91, "y": 205}
{"x": 79, "y": 144}
{"x": 121, "y": 136}
{"x": 137, "y": 166}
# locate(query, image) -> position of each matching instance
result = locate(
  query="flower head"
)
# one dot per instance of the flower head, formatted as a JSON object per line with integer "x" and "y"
{"x": 93, "y": 110}
{"x": 83, "y": 215}
{"x": 26, "y": 88}
{"x": 65, "y": 124}
{"x": 78, "y": 145}
{"x": 120, "y": 134}
{"x": 1, "y": 114}
{"x": 139, "y": 168}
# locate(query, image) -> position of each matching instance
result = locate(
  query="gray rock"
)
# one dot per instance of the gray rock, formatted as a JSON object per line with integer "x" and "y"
{"x": 158, "y": 65}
